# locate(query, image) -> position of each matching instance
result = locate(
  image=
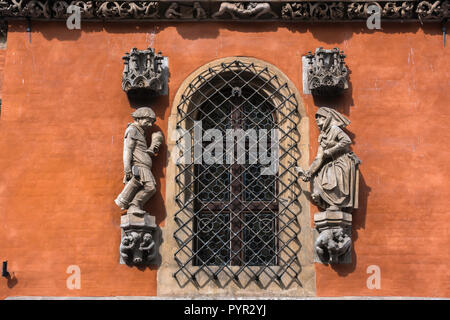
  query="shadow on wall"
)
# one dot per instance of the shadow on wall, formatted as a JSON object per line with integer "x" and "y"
{"x": 329, "y": 33}
{"x": 11, "y": 280}
{"x": 341, "y": 103}
{"x": 359, "y": 221}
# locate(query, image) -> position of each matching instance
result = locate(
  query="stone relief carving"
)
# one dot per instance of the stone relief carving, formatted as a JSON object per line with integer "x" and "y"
{"x": 143, "y": 71}
{"x": 128, "y": 10}
{"x": 313, "y": 11}
{"x": 3, "y": 32}
{"x": 172, "y": 12}
{"x": 252, "y": 10}
{"x": 194, "y": 11}
{"x": 331, "y": 244}
{"x": 243, "y": 10}
{"x": 138, "y": 247}
{"x": 437, "y": 10}
{"x": 59, "y": 9}
{"x": 327, "y": 73}
{"x": 199, "y": 12}
{"x": 138, "y": 226}
{"x": 335, "y": 184}
{"x": 405, "y": 10}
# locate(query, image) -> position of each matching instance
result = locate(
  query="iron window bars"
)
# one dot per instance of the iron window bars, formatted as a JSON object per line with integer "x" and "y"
{"x": 234, "y": 224}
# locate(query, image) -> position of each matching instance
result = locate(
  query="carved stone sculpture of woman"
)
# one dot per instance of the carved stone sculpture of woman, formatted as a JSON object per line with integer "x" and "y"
{"x": 334, "y": 171}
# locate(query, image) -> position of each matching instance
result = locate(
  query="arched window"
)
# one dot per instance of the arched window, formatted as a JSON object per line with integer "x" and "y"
{"x": 236, "y": 185}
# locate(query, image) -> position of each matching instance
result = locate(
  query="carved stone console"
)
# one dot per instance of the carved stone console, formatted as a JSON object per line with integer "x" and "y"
{"x": 143, "y": 71}
{"x": 334, "y": 243}
{"x": 326, "y": 73}
{"x": 138, "y": 246}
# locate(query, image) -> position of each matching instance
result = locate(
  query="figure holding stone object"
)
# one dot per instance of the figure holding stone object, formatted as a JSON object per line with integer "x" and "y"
{"x": 140, "y": 185}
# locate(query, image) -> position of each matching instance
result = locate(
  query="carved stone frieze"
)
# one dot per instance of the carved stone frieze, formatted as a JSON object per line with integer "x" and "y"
{"x": 143, "y": 71}
{"x": 433, "y": 10}
{"x": 225, "y": 10}
{"x": 3, "y": 33}
{"x": 249, "y": 10}
{"x": 327, "y": 73}
{"x": 127, "y": 10}
{"x": 59, "y": 9}
{"x": 177, "y": 11}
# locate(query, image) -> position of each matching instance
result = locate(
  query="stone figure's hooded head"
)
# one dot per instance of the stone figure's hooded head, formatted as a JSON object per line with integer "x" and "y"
{"x": 332, "y": 118}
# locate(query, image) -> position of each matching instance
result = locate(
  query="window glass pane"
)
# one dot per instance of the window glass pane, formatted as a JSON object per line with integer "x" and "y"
{"x": 212, "y": 245}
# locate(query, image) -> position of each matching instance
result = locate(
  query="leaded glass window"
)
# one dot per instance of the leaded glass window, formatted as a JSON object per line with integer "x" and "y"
{"x": 234, "y": 219}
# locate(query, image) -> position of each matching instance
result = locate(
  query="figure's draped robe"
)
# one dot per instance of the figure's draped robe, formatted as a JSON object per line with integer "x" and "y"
{"x": 338, "y": 178}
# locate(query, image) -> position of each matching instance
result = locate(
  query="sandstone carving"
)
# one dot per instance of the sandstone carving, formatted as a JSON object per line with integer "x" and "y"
{"x": 138, "y": 244}
{"x": 433, "y": 10}
{"x": 327, "y": 73}
{"x": 335, "y": 182}
{"x": 331, "y": 244}
{"x": 139, "y": 182}
{"x": 172, "y": 12}
{"x": 199, "y": 12}
{"x": 298, "y": 10}
{"x": 143, "y": 71}
{"x": 3, "y": 32}
{"x": 59, "y": 9}
{"x": 252, "y": 10}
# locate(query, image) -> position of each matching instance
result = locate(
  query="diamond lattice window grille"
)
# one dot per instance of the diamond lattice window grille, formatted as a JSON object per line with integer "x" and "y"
{"x": 234, "y": 224}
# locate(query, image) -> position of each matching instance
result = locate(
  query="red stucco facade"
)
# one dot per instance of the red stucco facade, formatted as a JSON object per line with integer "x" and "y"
{"x": 61, "y": 133}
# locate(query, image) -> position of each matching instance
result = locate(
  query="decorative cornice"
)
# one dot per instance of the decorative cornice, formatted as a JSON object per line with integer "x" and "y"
{"x": 206, "y": 10}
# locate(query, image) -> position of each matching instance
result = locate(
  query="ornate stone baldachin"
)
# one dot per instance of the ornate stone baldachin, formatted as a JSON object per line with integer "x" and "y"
{"x": 327, "y": 73}
{"x": 143, "y": 71}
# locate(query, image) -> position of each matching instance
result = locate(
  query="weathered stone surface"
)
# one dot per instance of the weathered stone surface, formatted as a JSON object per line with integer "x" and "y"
{"x": 334, "y": 171}
{"x": 143, "y": 71}
{"x": 138, "y": 246}
{"x": 326, "y": 72}
{"x": 329, "y": 219}
{"x": 334, "y": 243}
{"x": 335, "y": 177}
{"x": 228, "y": 10}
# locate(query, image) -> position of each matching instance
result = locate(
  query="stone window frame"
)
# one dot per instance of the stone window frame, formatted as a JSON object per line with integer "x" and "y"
{"x": 167, "y": 284}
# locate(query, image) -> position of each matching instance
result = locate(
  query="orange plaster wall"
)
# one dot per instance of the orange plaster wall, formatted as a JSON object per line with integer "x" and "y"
{"x": 64, "y": 114}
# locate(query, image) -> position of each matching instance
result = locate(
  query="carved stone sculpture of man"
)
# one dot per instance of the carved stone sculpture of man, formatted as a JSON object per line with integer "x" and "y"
{"x": 139, "y": 182}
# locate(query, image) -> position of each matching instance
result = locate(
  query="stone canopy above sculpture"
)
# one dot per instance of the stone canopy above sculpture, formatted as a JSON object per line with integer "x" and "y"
{"x": 143, "y": 71}
{"x": 327, "y": 73}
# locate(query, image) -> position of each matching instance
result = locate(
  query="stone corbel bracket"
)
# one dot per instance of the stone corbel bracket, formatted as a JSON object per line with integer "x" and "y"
{"x": 325, "y": 72}
{"x": 140, "y": 240}
{"x": 213, "y": 10}
{"x": 145, "y": 71}
{"x": 334, "y": 242}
